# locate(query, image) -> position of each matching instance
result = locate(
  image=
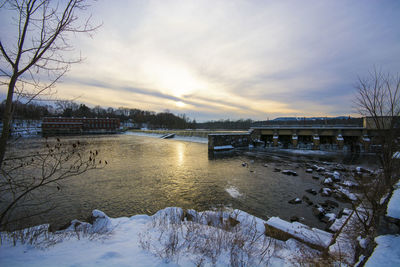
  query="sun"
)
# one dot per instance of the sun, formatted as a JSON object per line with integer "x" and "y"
{"x": 180, "y": 104}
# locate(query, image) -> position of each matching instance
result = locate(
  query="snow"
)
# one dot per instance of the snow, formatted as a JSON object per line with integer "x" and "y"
{"x": 338, "y": 223}
{"x": 336, "y": 175}
{"x": 363, "y": 242}
{"x": 233, "y": 192}
{"x": 349, "y": 183}
{"x": 393, "y": 208}
{"x": 326, "y": 191}
{"x": 330, "y": 216}
{"x": 140, "y": 240}
{"x": 327, "y": 181}
{"x": 396, "y": 155}
{"x": 347, "y": 193}
{"x": 302, "y": 232}
{"x": 386, "y": 253}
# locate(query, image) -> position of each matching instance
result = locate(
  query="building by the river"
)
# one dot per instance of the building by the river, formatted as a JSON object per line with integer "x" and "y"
{"x": 65, "y": 126}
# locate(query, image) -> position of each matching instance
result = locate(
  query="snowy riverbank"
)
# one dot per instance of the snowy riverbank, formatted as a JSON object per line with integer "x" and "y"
{"x": 171, "y": 237}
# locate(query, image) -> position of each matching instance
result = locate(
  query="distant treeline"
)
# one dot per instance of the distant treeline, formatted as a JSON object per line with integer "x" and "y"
{"x": 138, "y": 118}
{"x": 164, "y": 120}
{"x": 226, "y": 124}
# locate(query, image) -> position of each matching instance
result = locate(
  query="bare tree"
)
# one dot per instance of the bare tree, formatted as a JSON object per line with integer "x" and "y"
{"x": 32, "y": 57}
{"x": 378, "y": 99}
{"x": 29, "y": 180}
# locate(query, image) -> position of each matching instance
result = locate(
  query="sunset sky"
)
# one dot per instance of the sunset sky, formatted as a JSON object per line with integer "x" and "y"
{"x": 233, "y": 59}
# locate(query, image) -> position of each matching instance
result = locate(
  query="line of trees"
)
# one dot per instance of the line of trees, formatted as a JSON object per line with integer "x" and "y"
{"x": 141, "y": 118}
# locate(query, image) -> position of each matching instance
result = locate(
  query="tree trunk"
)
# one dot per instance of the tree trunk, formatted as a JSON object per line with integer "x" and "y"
{"x": 7, "y": 117}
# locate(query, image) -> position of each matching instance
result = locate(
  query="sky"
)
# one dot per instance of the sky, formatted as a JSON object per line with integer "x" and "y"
{"x": 233, "y": 59}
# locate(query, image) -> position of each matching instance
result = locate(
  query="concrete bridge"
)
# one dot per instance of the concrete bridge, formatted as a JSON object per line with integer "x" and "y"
{"x": 348, "y": 137}
{"x": 314, "y": 137}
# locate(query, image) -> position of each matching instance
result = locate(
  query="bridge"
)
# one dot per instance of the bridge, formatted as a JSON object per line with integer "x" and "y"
{"x": 334, "y": 137}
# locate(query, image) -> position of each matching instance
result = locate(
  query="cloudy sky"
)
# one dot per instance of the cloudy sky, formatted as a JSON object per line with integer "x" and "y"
{"x": 234, "y": 59}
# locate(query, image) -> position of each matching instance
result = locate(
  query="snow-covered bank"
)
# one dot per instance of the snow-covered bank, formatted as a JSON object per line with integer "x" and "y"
{"x": 177, "y": 137}
{"x": 171, "y": 237}
{"x": 386, "y": 253}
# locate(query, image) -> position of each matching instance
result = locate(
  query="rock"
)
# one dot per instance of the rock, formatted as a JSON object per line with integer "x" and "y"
{"x": 294, "y": 219}
{"x": 315, "y": 177}
{"x": 232, "y": 222}
{"x": 350, "y": 184}
{"x": 332, "y": 203}
{"x": 311, "y": 191}
{"x": 265, "y": 165}
{"x": 328, "y": 181}
{"x": 318, "y": 211}
{"x": 277, "y": 170}
{"x": 318, "y": 168}
{"x": 340, "y": 196}
{"x": 328, "y": 218}
{"x": 290, "y": 172}
{"x": 345, "y": 212}
{"x": 309, "y": 170}
{"x": 336, "y": 176}
{"x": 339, "y": 167}
{"x": 307, "y": 200}
{"x": 244, "y": 164}
{"x": 295, "y": 201}
{"x": 325, "y": 192}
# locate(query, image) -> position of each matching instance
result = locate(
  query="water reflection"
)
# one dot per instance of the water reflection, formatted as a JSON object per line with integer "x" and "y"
{"x": 180, "y": 153}
{"x": 146, "y": 174}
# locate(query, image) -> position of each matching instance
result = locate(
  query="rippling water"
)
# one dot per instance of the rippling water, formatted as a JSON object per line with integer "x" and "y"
{"x": 146, "y": 174}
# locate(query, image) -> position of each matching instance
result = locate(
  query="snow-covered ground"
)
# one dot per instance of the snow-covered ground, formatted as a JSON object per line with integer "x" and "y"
{"x": 386, "y": 253}
{"x": 176, "y": 137}
{"x": 171, "y": 237}
{"x": 393, "y": 209}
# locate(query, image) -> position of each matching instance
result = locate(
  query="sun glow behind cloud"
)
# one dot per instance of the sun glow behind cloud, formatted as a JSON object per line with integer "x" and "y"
{"x": 233, "y": 59}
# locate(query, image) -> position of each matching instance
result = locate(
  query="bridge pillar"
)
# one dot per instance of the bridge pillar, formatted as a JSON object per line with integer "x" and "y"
{"x": 366, "y": 141}
{"x": 275, "y": 139}
{"x": 294, "y": 140}
{"x": 316, "y": 142}
{"x": 340, "y": 141}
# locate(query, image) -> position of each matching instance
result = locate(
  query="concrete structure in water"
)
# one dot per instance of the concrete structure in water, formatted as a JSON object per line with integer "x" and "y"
{"x": 324, "y": 137}
{"x": 348, "y": 137}
{"x": 227, "y": 141}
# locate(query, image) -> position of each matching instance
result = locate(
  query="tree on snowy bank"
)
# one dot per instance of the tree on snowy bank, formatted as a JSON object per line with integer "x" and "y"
{"x": 378, "y": 99}
{"x": 32, "y": 61}
{"x": 29, "y": 180}
{"x": 32, "y": 57}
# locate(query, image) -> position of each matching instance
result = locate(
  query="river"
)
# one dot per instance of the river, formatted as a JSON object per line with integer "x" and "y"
{"x": 146, "y": 174}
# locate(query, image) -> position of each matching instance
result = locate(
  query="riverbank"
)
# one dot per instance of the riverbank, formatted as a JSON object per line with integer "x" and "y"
{"x": 171, "y": 237}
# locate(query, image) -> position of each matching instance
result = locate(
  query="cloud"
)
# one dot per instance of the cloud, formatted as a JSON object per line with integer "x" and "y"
{"x": 234, "y": 59}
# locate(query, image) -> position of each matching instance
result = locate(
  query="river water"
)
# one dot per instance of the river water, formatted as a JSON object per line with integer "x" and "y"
{"x": 146, "y": 174}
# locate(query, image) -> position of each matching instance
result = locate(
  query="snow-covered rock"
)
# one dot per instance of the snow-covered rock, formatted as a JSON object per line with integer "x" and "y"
{"x": 284, "y": 230}
{"x": 327, "y": 181}
{"x": 326, "y": 192}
